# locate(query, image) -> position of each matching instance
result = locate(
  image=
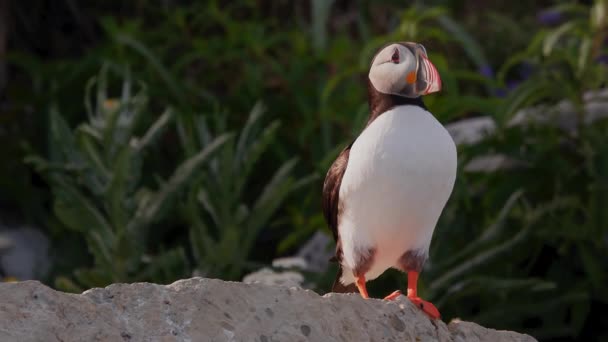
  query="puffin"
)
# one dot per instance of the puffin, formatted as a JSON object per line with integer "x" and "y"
{"x": 384, "y": 193}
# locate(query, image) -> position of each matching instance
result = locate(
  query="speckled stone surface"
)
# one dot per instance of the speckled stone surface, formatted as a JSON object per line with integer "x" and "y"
{"x": 213, "y": 310}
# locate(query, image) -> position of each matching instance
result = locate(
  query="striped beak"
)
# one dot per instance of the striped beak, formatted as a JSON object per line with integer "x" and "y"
{"x": 428, "y": 75}
{"x": 426, "y": 79}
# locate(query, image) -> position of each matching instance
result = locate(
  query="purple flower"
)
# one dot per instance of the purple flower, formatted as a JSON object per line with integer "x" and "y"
{"x": 525, "y": 70}
{"x": 602, "y": 59}
{"x": 486, "y": 71}
{"x": 503, "y": 92}
{"x": 549, "y": 17}
{"x": 500, "y": 92}
{"x": 512, "y": 84}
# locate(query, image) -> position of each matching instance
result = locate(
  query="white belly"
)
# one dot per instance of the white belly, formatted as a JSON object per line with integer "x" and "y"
{"x": 400, "y": 173}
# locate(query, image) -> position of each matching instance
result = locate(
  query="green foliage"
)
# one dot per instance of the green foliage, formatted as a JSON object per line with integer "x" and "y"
{"x": 225, "y": 213}
{"x": 565, "y": 59}
{"x": 95, "y": 173}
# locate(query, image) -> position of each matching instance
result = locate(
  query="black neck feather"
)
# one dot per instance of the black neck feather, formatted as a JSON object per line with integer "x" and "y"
{"x": 380, "y": 102}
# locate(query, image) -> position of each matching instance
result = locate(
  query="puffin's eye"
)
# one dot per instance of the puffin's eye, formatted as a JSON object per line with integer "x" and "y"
{"x": 395, "y": 57}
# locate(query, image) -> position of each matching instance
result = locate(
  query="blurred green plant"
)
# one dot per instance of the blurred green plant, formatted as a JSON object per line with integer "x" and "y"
{"x": 532, "y": 258}
{"x": 95, "y": 175}
{"x": 225, "y": 213}
{"x": 566, "y": 61}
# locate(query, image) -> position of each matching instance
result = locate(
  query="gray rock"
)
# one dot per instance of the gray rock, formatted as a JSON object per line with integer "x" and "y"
{"x": 313, "y": 256}
{"x": 317, "y": 252}
{"x": 5, "y": 243}
{"x": 24, "y": 253}
{"x": 471, "y": 131}
{"x": 564, "y": 115}
{"x": 290, "y": 262}
{"x": 268, "y": 276}
{"x": 492, "y": 163}
{"x": 200, "y": 309}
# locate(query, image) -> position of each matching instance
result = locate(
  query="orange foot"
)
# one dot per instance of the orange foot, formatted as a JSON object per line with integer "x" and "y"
{"x": 393, "y": 295}
{"x": 427, "y": 307}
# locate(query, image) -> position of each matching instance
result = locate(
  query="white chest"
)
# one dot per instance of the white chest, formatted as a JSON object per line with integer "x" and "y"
{"x": 400, "y": 174}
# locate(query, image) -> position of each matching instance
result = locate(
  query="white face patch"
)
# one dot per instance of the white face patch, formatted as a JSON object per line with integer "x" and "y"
{"x": 389, "y": 76}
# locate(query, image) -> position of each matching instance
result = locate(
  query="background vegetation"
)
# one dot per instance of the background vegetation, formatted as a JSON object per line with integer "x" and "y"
{"x": 156, "y": 140}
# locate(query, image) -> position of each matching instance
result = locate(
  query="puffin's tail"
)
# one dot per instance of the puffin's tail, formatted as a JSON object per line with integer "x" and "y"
{"x": 338, "y": 287}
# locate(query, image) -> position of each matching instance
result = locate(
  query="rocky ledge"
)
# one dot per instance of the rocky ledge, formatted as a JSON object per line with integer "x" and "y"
{"x": 213, "y": 310}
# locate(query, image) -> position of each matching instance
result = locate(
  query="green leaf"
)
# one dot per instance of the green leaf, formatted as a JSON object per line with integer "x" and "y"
{"x": 203, "y": 246}
{"x": 512, "y": 61}
{"x": 599, "y": 12}
{"x": 469, "y": 44}
{"x": 91, "y": 152}
{"x": 583, "y": 55}
{"x": 529, "y": 92}
{"x": 248, "y": 130}
{"x": 554, "y": 36}
{"x": 93, "y": 278}
{"x": 253, "y": 154}
{"x": 65, "y": 284}
{"x": 164, "y": 73}
{"x": 481, "y": 258}
{"x": 62, "y": 144}
{"x": 273, "y": 194}
{"x": 77, "y": 212}
{"x": 102, "y": 96}
{"x": 531, "y": 308}
{"x": 101, "y": 247}
{"x": 155, "y": 131}
{"x": 593, "y": 267}
{"x": 496, "y": 286}
{"x": 489, "y": 235}
{"x": 87, "y": 101}
{"x": 131, "y": 111}
{"x": 90, "y": 131}
{"x": 186, "y": 137}
{"x": 205, "y": 200}
{"x": 167, "y": 266}
{"x": 321, "y": 10}
{"x": 182, "y": 175}
{"x": 118, "y": 187}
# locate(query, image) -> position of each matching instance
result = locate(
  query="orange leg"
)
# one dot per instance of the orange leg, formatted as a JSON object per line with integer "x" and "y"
{"x": 393, "y": 295}
{"x": 412, "y": 293}
{"x": 360, "y": 282}
{"x": 412, "y": 284}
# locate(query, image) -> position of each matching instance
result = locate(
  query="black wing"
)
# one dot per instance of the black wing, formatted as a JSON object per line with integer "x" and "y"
{"x": 331, "y": 190}
{"x": 331, "y": 208}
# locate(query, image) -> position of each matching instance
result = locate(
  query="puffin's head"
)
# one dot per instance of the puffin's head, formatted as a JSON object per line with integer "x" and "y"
{"x": 403, "y": 69}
